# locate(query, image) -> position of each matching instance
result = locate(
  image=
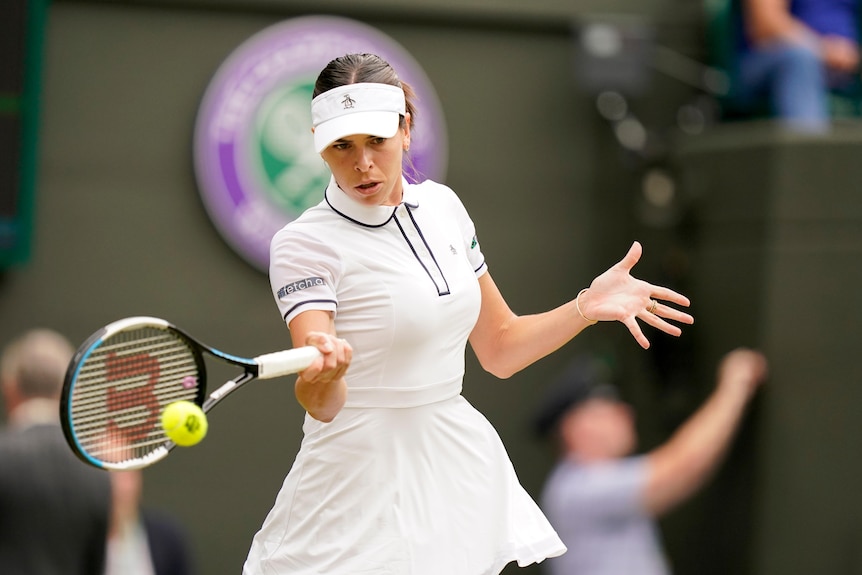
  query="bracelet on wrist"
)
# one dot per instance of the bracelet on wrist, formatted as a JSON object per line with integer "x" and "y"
{"x": 578, "y": 306}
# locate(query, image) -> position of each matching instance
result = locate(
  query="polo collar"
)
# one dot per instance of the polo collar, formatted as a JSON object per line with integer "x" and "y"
{"x": 372, "y": 216}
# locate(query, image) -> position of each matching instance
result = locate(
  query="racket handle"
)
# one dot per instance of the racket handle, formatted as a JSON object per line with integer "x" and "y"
{"x": 285, "y": 362}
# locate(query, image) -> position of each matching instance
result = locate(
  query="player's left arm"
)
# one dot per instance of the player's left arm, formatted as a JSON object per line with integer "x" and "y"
{"x": 506, "y": 343}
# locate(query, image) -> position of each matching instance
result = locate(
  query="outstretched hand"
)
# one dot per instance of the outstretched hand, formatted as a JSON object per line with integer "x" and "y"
{"x": 617, "y": 296}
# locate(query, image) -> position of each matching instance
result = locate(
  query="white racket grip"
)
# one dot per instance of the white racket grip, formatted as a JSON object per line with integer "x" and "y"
{"x": 285, "y": 362}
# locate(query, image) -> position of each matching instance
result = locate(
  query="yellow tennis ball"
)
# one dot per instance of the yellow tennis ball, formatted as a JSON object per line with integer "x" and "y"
{"x": 184, "y": 423}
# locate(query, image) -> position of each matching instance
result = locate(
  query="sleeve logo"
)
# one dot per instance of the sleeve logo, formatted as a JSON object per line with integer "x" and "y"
{"x": 299, "y": 285}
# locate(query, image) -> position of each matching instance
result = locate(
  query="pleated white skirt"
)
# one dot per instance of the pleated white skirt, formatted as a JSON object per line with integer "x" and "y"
{"x": 425, "y": 490}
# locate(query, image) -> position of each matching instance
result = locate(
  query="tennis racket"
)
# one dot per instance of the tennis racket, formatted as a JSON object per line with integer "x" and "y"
{"x": 123, "y": 376}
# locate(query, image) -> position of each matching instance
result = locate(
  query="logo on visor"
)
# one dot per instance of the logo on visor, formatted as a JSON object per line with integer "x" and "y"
{"x": 348, "y": 102}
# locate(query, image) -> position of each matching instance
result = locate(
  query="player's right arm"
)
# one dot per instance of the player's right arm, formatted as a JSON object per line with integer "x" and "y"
{"x": 321, "y": 389}
{"x": 678, "y": 468}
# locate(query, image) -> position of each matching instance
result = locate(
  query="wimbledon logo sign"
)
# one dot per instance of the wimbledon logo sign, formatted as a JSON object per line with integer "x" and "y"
{"x": 254, "y": 158}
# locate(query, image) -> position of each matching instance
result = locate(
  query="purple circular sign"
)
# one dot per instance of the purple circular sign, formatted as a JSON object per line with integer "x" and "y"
{"x": 254, "y": 159}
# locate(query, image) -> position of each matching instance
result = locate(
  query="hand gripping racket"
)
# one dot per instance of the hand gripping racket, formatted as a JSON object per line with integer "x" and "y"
{"x": 124, "y": 375}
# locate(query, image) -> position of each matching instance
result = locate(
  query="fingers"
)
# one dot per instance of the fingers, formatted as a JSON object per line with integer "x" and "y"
{"x": 666, "y": 294}
{"x": 656, "y": 307}
{"x": 325, "y": 342}
{"x": 663, "y": 311}
{"x": 656, "y": 320}
{"x": 336, "y": 355}
{"x": 636, "y": 331}
{"x": 656, "y": 315}
{"x": 632, "y": 257}
{"x": 622, "y": 297}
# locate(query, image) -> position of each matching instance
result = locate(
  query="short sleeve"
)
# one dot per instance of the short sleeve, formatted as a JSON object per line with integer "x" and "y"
{"x": 468, "y": 234}
{"x": 303, "y": 273}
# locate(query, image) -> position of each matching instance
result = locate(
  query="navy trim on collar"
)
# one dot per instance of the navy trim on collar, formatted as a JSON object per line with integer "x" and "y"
{"x": 369, "y": 216}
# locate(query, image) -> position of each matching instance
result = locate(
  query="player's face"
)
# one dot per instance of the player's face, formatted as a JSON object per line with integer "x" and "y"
{"x": 368, "y": 168}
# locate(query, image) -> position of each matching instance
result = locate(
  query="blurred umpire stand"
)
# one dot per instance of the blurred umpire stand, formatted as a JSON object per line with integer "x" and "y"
{"x": 769, "y": 225}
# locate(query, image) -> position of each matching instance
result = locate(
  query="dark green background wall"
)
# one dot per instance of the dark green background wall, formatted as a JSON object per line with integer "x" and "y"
{"x": 779, "y": 244}
{"x": 120, "y": 229}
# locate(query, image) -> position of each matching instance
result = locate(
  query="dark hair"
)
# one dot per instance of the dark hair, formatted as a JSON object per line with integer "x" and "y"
{"x": 358, "y": 68}
{"x": 586, "y": 376}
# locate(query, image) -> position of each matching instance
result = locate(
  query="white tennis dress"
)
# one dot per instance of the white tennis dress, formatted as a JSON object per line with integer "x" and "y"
{"x": 409, "y": 478}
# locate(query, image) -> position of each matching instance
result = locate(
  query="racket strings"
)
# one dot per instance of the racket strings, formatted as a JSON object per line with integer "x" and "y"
{"x": 123, "y": 386}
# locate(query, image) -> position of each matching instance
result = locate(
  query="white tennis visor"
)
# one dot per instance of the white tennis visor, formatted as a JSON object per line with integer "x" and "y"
{"x": 363, "y": 108}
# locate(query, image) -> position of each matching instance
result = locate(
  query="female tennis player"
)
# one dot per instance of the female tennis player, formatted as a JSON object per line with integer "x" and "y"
{"x": 397, "y": 472}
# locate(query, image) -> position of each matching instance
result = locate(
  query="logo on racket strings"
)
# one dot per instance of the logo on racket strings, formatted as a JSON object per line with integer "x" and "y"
{"x": 134, "y": 410}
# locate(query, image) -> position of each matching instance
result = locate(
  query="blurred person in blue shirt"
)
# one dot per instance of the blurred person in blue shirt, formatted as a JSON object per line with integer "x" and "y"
{"x": 792, "y": 53}
{"x": 603, "y": 500}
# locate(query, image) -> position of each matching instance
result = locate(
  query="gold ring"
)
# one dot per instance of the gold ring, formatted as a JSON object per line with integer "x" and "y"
{"x": 651, "y": 308}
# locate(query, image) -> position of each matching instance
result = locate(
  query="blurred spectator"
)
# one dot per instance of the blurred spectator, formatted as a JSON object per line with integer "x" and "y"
{"x": 53, "y": 507}
{"x": 142, "y": 541}
{"x": 602, "y": 500}
{"x": 793, "y": 53}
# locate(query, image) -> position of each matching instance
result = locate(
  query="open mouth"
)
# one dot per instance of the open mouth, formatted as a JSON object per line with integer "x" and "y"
{"x": 369, "y": 187}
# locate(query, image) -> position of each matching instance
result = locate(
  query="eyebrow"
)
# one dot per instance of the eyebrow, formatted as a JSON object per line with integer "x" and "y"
{"x": 367, "y": 137}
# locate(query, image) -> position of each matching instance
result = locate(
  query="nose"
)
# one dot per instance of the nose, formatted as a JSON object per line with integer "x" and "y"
{"x": 363, "y": 161}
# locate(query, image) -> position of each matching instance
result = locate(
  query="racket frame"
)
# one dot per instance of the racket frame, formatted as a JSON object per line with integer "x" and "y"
{"x": 261, "y": 367}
